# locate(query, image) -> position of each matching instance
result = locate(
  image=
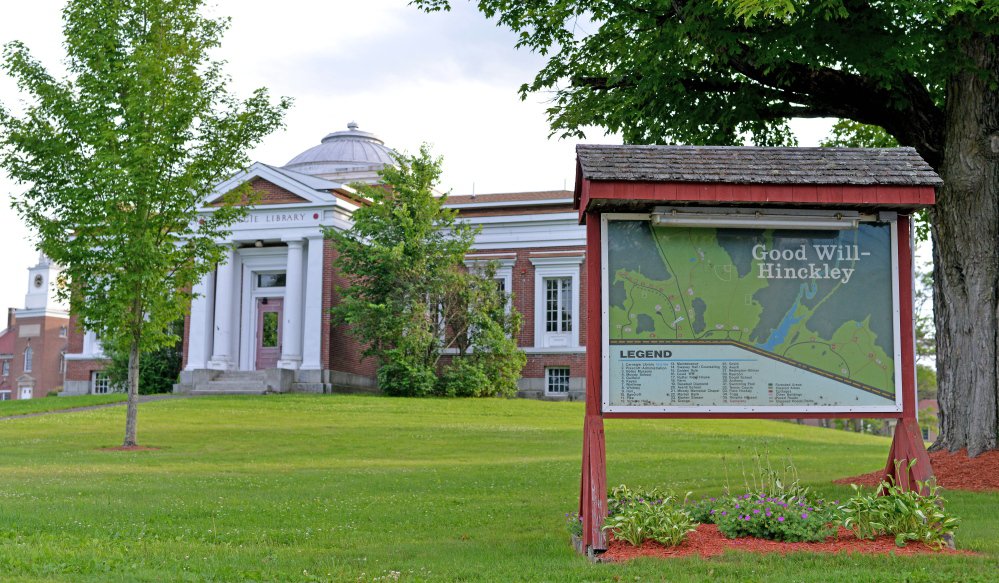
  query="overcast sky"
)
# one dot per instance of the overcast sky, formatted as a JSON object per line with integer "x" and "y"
{"x": 448, "y": 79}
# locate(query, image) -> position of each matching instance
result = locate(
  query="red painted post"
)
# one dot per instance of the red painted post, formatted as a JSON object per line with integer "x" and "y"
{"x": 907, "y": 443}
{"x": 593, "y": 483}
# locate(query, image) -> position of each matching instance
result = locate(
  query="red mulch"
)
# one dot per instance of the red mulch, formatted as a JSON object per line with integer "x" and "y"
{"x": 954, "y": 471}
{"x": 129, "y": 448}
{"x": 707, "y": 541}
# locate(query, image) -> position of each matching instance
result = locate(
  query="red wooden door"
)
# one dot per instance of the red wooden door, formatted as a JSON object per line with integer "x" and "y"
{"x": 269, "y": 311}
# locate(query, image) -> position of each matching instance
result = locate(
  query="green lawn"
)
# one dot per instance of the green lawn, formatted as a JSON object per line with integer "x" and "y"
{"x": 345, "y": 488}
{"x": 28, "y": 406}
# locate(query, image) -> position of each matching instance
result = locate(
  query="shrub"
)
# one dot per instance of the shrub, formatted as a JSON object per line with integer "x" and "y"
{"x": 640, "y": 515}
{"x": 908, "y": 516}
{"x": 574, "y": 523}
{"x": 703, "y": 511}
{"x": 405, "y": 377}
{"x": 793, "y": 520}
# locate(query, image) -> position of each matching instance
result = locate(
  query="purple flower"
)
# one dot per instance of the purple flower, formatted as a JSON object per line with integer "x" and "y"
{"x": 768, "y": 514}
{"x": 712, "y": 499}
{"x": 756, "y": 511}
{"x": 724, "y": 513}
{"x": 747, "y": 517}
{"x": 780, "y": 519}
{"x": 712, "y": 511}
{"x": 804, "y": 515}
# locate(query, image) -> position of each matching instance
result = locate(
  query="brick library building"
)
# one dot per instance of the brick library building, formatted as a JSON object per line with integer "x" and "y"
{"x": 261, "y": 321}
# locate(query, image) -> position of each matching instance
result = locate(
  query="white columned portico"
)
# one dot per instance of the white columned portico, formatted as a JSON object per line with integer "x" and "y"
{"x": 291, "y": 335}
{"x": 199, "y": 341}
{"x": 313, "y": 325}
{"x": 222, "y": 345}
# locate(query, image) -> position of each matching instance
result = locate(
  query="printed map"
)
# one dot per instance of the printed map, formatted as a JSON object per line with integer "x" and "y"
{"x": 750, "y": 316}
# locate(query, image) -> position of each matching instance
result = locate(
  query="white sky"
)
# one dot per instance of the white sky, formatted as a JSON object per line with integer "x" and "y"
{"x": 448, "y": 79}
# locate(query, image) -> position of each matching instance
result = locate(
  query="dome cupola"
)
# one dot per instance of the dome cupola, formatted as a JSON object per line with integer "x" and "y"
{"x": 350, "y": 155}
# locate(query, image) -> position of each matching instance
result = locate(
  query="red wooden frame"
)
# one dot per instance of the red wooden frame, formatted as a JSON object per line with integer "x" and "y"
{"x": 907, "y": 444}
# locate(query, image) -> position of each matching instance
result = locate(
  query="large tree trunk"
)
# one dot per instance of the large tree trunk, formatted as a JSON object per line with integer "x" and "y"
{"x": 132, "y": 413}
{"x": 965, "y": 241}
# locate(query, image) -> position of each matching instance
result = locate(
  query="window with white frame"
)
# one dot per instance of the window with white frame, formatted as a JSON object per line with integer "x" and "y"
{"x": 101, "y": 383}
{"x": 5, "y": 395}
{"x": 557, "y": 380}
{"x": 29, "y": 356}
{"x": 558, "y": 304}
{"x": 556, "y": 301}
{"x": 63, "y": 331}
{"x": 6, "y": 368}
{"x": 62, "y": 362}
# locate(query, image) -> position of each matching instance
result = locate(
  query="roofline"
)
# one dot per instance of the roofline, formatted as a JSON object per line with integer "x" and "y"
{"x": 509, "y": 203}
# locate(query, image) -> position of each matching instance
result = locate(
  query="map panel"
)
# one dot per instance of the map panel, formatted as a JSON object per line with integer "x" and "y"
{"x": 719, "y": 317}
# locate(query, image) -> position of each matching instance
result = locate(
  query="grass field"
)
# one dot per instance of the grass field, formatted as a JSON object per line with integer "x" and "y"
{"x": 346, "y": 488}
{"x": 29, "y": 406}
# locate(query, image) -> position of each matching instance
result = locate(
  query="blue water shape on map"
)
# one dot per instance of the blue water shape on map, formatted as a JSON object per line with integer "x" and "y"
{"x": 778, "y": 336}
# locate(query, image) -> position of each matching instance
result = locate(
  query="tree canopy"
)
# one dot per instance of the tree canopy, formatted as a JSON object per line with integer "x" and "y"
{"x": 730, "y": 72}
{"x": 118, "y": 157}
{"x": 409, "y": 298}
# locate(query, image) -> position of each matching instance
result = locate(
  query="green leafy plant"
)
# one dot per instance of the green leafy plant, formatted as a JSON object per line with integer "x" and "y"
{"x": 775, "y": 518}
{"x": 574, "y": 523}
{"x": 768, "y": 482}
{"x": 635, "y": 516}
{"x": 906, "y": 515}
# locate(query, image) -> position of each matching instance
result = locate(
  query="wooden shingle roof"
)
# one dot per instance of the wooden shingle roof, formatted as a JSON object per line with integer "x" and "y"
{"x": 752, "y": 165}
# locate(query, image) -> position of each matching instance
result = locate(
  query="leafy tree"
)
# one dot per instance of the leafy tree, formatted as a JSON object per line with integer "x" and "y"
{"x": 409, "y": 297}
{"x": 119, "y": 155}
{"x": 732, "y": 71}
{"x": 158, "y": 370}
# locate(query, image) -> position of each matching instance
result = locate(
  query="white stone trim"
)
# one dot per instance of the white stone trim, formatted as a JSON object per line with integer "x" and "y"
{"x": 551, "y": 267}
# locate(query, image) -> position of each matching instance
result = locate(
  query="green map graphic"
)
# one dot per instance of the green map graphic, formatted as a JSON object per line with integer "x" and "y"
{"x": 817, "y": 300}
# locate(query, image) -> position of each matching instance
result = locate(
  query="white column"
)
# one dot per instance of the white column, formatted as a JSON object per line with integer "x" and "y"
{"x": 313, "y": 325}
{"x": 291, "y": 333}
{"x": 222, "y": 343}
{"x": 199, "y": 333}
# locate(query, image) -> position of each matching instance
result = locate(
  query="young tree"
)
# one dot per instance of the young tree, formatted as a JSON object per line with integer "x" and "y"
{"x": 724, "y": 71}
{"x": 409, "y": 296}
{"x": 119, "y": 155}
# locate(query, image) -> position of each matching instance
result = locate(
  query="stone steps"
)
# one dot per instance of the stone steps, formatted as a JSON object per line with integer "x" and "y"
{"x": 235, "y": 383}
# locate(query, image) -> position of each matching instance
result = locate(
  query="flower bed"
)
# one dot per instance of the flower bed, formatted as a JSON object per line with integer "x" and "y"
{"x": 708, "y": 541}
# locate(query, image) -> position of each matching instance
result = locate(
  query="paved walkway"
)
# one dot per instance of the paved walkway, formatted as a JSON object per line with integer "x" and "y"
{"x": 142, "y": 399}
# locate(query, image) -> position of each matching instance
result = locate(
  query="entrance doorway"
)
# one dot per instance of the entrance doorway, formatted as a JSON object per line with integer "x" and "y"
{"x": 26, "y": 391}
{"x": 269, "y": 312}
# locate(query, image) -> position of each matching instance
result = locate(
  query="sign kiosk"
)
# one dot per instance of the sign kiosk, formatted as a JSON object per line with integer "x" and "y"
{"x": 732, "y": 282}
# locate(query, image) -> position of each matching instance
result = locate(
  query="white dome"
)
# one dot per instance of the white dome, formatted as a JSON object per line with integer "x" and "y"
{"x": 343, "y": 152}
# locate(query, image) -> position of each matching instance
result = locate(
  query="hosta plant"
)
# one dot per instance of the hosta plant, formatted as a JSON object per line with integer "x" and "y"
{"x": 906, "y": 515}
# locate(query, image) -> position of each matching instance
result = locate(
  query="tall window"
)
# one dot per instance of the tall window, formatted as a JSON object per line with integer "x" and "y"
{"x": 28, "y": 357}
{"x": 556, "y": 301}
{"x": 63, "y": 331}
{"x": 558, "y": 304}
{"x": 62, "y": 362}
{"x": 6, "y": 368}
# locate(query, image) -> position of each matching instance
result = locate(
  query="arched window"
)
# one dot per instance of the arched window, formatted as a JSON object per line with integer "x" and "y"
{"x": 28, "y": 357}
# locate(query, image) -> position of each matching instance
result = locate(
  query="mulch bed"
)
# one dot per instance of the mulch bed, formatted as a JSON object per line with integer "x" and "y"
{"x": 954, "y": 471}
{"x": 707, "y": 541}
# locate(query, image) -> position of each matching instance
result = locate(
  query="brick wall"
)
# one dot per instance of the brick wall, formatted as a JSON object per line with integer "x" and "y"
{"x": 340, "y": 349}
{"x": 47, "y": 349}
{"x": 523, "y": 289}
{"x": 269, "y": 193}
{"x": 81, "y": 370}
